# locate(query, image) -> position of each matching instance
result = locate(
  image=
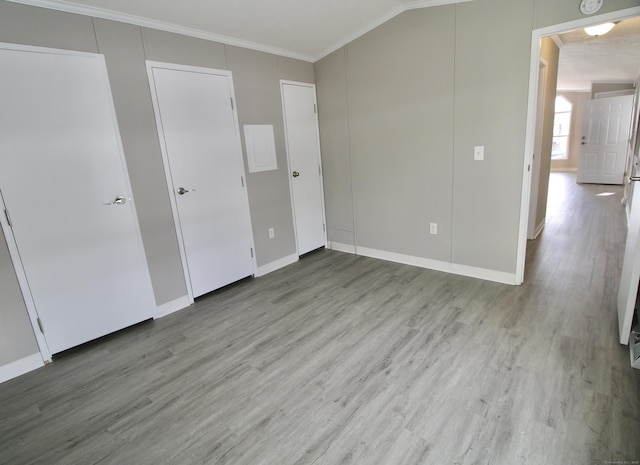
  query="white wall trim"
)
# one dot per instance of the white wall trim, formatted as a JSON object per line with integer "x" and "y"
{"x": 85, "y": 10}
{"x": 539, "y": 228}
{"x": 20, "y": 367}
{"x": 437, "y": 265}
{"x": 276, "y": 265}
{"x": 561, "y": 169}
{"x": 536, "y": 36}
{"x": 340, "y": 247}
{"x": 173, "y": 306}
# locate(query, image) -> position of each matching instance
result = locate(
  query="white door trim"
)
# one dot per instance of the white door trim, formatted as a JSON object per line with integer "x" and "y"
{"x": 284, "y": 82}
{"x": 165, "y": 155}
{"x": 536, "y": 36}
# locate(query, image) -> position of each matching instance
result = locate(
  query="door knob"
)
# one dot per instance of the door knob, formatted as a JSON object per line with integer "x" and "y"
{"x": 117, "y": 201}
{"x": 182, "y": 190}
{"x": 295, "y": 174}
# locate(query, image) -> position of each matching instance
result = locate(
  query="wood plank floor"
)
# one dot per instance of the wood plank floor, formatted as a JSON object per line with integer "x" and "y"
{"x": 340, "y": 359}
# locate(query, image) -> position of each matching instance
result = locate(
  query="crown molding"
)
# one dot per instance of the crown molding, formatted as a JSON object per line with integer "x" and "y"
{"x": 414, "y": 5}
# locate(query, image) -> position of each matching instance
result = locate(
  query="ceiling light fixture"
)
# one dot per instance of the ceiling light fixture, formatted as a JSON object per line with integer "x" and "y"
{"x": 599, "y": 30}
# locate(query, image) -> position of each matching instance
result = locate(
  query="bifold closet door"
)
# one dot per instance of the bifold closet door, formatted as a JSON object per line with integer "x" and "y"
{"x": 199, "y": 133}
{"x": 64, "y": 184}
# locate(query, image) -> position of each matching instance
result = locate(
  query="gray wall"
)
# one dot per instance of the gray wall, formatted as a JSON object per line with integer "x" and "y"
{"x": 333, "y": 117}
{"x": 551, "y": 53}
{"x": 401, "y": 109}
{"x": 402, "y": 174}
{"x": 256, "y": 79}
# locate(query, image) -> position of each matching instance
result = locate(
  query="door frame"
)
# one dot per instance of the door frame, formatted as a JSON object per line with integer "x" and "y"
{"x": 150, "y": 64}
{"x": 532, "y": 229}
{"x": 536, "y": 36}
{"x": 284, "y": 82}
{"x": 23, "y": 283}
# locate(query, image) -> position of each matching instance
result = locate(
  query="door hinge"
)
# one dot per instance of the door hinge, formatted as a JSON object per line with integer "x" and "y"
{"x": 242, "y": 180}
{"x": 231, "y": 98}
{"x": 323, "y": 228}
{"x": 251, "y": 249}
{"x": 40, "y": 325}
{"x": 315, "y": 109}
{"x": 319, "y": 170}
{"x": 6, "y": 214}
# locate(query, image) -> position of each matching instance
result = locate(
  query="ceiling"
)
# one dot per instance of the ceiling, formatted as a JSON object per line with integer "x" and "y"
{"x": 304, "y": 29}
{"x": 614, "y": 57}
{"x": 311, "y": 29}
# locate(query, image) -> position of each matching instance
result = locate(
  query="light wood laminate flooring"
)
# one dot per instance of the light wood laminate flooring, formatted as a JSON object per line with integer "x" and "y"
{"x": 340, "y": 359}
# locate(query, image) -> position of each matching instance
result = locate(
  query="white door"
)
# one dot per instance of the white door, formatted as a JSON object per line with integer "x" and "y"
{"x": 201, "y": 144}
{"x": 630, "y": 270}
{"x": 303, "y": 149}
{"x": 605, "y": 137}
{"x": 64, "y": 183}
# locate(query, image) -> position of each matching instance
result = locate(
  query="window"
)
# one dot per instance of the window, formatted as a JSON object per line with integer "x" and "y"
{"x": 561, "y": 125}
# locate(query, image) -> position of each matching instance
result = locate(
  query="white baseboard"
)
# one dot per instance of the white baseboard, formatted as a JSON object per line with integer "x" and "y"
{"x": 437, "y": 265}
{"x": 173, "y": 306}
{"x": 538, "y": 229}
{"x": 20, "y": 367}
{"x": 340, "y": 247}
{"x": 276, "y": 265}
{"x": 564, "y": 170}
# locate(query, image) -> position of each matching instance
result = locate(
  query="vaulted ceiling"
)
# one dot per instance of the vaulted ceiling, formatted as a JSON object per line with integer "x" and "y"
{"x": 311, "y": 29}
{"x": 305, "y": 29}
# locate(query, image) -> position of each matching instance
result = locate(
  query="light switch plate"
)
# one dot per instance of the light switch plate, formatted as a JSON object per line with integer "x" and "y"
{"x": 478, "y": 152}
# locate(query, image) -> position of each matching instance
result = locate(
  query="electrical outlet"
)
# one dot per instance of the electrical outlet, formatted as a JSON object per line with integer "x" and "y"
{"x": 478, "y": 152}
{"x": 272, "y": 233}
{"x": 433, "y": 228}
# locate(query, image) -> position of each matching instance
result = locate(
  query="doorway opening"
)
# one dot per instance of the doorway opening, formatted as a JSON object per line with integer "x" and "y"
{"x": 532, "y": 119}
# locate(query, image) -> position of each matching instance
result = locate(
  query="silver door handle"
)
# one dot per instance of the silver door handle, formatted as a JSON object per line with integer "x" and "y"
{"x": 182, "y": 190}
{"x": 118, "y": 201}
{"x": 634, "y": 178}
{"x": 295, "y": 174}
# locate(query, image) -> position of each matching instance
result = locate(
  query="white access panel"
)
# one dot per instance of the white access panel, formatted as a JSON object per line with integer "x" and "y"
{"x": 64, "y": 183}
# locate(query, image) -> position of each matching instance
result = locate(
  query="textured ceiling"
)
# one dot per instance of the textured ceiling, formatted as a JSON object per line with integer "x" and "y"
{"x": 614, "y": 57}
{"x": 306, "y": 29}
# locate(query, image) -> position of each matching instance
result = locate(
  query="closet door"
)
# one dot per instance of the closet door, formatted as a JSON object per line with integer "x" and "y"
{"x": 303, "y": 150}
{"x": 71, "y": 220}
{"x": 199, "y": 135}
